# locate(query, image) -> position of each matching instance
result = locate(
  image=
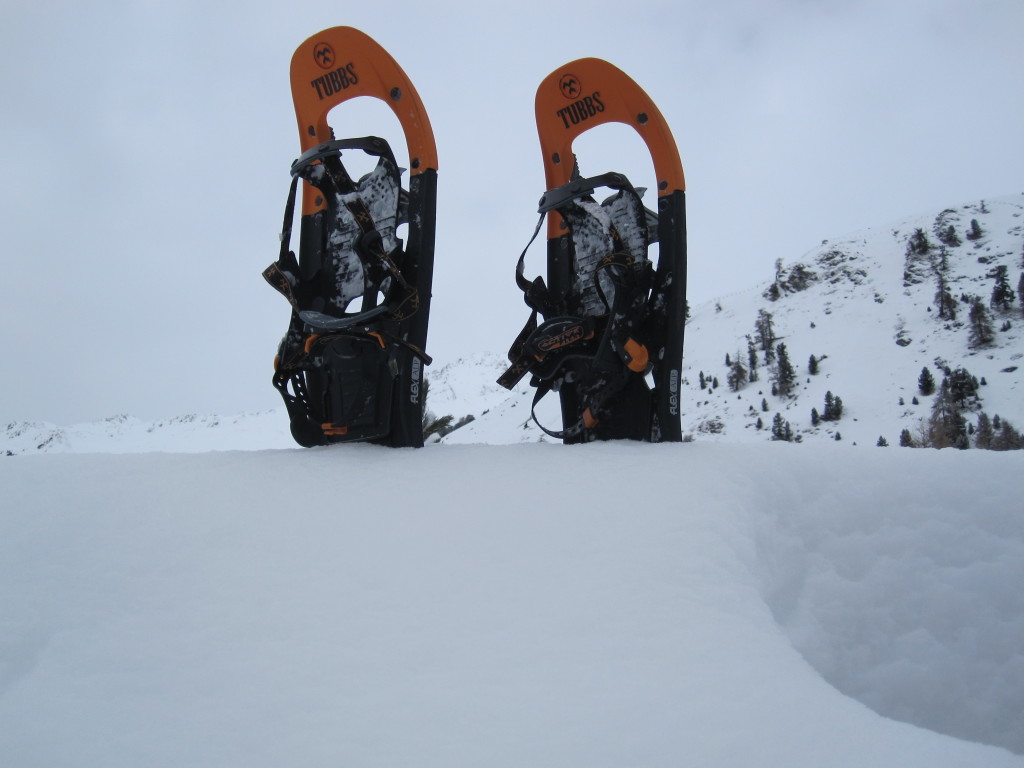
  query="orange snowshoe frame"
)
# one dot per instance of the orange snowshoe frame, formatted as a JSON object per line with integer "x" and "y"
{"x": 358, "y": 376}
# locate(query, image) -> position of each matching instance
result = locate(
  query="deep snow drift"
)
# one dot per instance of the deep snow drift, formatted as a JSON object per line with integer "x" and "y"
{"x": 604, "y": 605}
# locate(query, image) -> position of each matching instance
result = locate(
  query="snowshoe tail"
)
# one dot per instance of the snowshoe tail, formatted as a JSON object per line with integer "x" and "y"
{"x": 611, "y": 337}
{"x": 350, "y": 366}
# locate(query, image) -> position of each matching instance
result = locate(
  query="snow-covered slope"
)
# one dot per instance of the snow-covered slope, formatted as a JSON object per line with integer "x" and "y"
{"x": 867, "y": 313}
{"x": 603, "y": 605}
{"x": 869, "y": 316}
{"x": 126, "y": 434}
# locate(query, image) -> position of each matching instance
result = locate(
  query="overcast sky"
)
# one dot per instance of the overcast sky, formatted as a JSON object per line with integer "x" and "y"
{"x": 145, "y": 147}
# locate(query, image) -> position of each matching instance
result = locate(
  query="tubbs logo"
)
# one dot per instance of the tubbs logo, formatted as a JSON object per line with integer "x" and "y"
{"x": 569, "y": 85}
{"x": 581, "y": 109}
{"x": 336, "y": 81}
{"x": 323, "y": 54}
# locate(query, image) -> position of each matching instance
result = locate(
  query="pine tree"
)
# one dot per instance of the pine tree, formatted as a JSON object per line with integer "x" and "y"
{"x": 882, "y": 442}
{"x": 949, "y": 236}
{"x": 833, "y": 407}
{"x": 815, "y": 418}
{"x": 812, "y": 366}
{"x": 926, "y": 382}
{"x": 947, "y": 427}
{"x": 781, "y": 429}
{"x": 1007, "y": 438}
{"x": 974, "y": 233}
{"x": 944, "y": 300}
{"x": 1002, "y": 294}
{"x": 1020, "y": 289}
{"x": 984, "y": 434}
{"x": 432, "y": 424}
{"x": 703, "y": 383}
{"x": 764, "y": 331}
{"x": 737, "y": 376}
{"x": 764, "y": 404}
{"x": 906, "y": 441}
{"x": 752, "y": 356}
{"x": 785, "y": 376}
{"x": 962, "y": 386}
{"x": 981, "y": 334}
{"x": 918, "y": 244}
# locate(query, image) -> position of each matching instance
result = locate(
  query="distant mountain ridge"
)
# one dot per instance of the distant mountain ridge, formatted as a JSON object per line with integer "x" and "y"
{"x": 873, "y": 309}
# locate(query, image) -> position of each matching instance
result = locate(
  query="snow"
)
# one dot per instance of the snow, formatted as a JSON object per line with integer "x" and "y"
{"x": 197, "y": 591}
{"x": 602, "y": 605}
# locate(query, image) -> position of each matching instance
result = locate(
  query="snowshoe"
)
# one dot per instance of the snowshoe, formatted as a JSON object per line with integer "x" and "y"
{"x": 350, "y": 366}
{"x": 610, "y": 338}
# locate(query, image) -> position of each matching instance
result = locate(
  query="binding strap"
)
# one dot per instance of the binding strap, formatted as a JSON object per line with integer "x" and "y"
{"x": 315, "y": 167}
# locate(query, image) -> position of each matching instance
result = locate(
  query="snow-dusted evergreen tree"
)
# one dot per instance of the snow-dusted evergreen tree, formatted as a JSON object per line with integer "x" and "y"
{"x": 981, "y": 333}
{"x": 812, "y": 366}
{"x": 833, "y": 407}
{"x": 882, "y": 442}
{"x": 781, "y": 429}
{"x": 963, "y": 387}
{"x": 764, "y": 332}
{"x": 785, "y": 375}
{"x": 948, "y": 236}
{"x": 926, "y": 382}
{"x": 918, "y": 245}
{"x": 944, "y": 299}
{"x": 906, "y": 441}
{"x": 974, "y": 233}
{"x": 737, "y": 375}
{"x": 752, "y": 361}
{"x": 984, "y": 433}
{"x": 1002, "y": 294}
{"x": 432, "y": 424}
{"x": 947, "y": 427}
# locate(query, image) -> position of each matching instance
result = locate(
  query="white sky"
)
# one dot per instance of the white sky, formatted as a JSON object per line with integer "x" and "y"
{"x": 145, "y": 146}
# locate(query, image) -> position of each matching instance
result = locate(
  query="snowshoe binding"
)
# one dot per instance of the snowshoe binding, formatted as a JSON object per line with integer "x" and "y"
{"x": 610, "y": 339}
{"x": 350, "y": 366}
